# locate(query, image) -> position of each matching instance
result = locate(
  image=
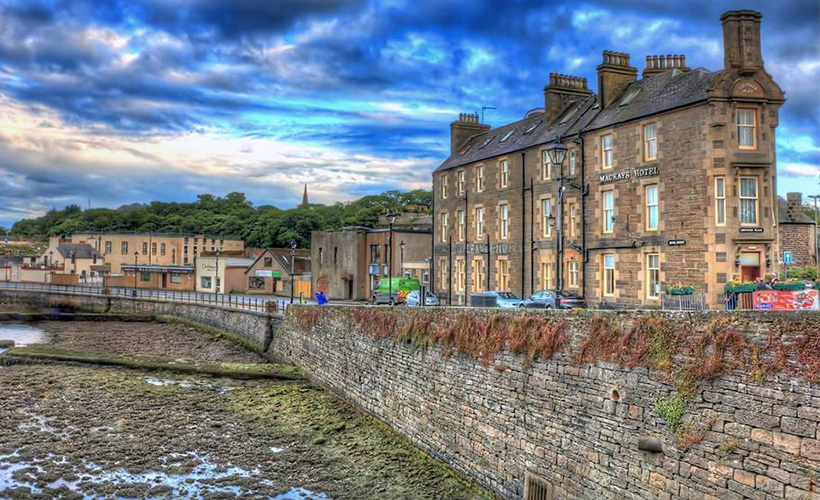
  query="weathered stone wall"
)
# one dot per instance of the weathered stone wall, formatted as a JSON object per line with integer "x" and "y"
{"x": 253, "y": 327}
{"x": 575, "y": 424}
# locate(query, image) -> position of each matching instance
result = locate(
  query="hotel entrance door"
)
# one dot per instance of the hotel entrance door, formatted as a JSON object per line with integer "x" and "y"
{"x": 749, "y": 266}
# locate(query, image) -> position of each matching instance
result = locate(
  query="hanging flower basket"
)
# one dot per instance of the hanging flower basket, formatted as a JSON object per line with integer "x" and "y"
{"x": 680, "y": 290}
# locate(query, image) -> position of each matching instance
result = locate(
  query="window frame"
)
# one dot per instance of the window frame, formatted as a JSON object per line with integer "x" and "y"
{"x": 756, "y": 199}
{"x": 479, "y": 222}
{"x": 650, "y": 271}
{"x": 647, "y": 142}
{"x": 720, "y": 201}
{"x": 546, "y": 212}
{"x": 478, "y": 274}
{"x": 753, "y": 126}
{"x": 648, "y": 208}
{"x": 572, "y": 161}
{"x": 503, "y": 221}
{"x": 547, "y": 278}
{"x": 607, "y": 153}
{"x": 479, "y": 179}
{"x": 444, "y": 186}
{"x": 443, "y": 221}
{"x": 461, "y": 215}
{"x": 546, "y": 166}
{"x": 461, "y": 179}
{"x": 573, "y": 270}
{"x": 609, "y": 276}
{"x": 504, "y": 174}
{"x": 573, "y": 219}
{"x": 461, "y": 274}
{"x": 605, "y": 219}
{"x": 503, "y": 279}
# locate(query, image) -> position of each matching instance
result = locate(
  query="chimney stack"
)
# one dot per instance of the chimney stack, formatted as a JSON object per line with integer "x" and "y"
{"x": 741, "y": 40}
{"x": 659, "y": 64}
{"x": 462, "y": 129}
{"x": 614, "y": 74}
{"x": 562, "y": 91}
{"x": 794, "y": 206}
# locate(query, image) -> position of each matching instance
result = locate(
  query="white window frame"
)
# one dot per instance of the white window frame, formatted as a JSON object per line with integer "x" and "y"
{"x": 573, "y": 219}
{"x": 743, "y": 125}
{"x": 546, "y": 275}
{"x": 652, "y": 207}
{"x": 503, "y": 275}
{"x": 572, "y": 162}
{"x": 444, "y": 282}
{"x": 546, "y": 211}
{"x": 653, "y": 276}
{"x": 573, "y": 274}
{"x": 479, "y": 179}
{"x": 460, "y": 274}
{"x": 546, "y": 166}
{"x": 504, "y": 173}
{"x": 650, "y": 141}
{"x": 478, "y": 274}
{"x": 755, "y": 198}
{"x": 606, "y": 151}
{"x": 479, "y": 223}
{"x": 444, "y": 186}
{"x": 720, "y": 201}
{"x": 462, "y": 225}
{"x": 609, "y": 275}
{"x": 504, "y": 221}
{"x": 608, "y": 214}
{"x": 460, "y": 182}
{"x": 443, "y": 225}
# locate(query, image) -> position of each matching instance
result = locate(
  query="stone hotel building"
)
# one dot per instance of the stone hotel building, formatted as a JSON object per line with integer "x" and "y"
{"x": 668, "y": 178}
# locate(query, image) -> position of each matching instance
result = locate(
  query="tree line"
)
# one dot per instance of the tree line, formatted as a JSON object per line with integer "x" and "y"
{"x": 234, "y": 215}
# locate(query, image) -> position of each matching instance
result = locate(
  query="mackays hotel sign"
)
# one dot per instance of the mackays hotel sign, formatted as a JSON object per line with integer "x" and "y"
{"x": 625, "y": 175}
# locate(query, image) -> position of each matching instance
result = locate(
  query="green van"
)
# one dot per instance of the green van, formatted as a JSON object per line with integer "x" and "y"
{"x": 400, "y": 287}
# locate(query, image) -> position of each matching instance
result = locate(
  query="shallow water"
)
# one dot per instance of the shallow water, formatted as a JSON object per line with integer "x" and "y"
{"x": 205, "y": 477}
{"x": 22, "y": 334}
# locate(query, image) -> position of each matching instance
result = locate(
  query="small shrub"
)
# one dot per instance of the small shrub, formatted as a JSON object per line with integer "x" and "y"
{"x": 672, "y": 409}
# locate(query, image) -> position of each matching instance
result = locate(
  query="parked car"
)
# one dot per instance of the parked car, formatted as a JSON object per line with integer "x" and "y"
{"x": 400, "y": 287}
{"x": 495, "y": 299}
{"x": 414, "y": 299}
{"x": 554, "y": 299}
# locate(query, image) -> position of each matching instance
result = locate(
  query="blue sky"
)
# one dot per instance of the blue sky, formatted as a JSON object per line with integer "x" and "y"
{"x": 140, "y": 100}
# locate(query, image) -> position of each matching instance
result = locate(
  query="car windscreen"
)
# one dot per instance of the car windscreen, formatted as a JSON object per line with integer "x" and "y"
{"x": 507, "y": 295}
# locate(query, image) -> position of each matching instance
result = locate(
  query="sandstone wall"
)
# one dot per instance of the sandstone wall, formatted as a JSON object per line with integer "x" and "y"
{"x": 577, "y": 425}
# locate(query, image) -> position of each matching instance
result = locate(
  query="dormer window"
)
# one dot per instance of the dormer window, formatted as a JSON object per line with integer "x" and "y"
{"x": 486, "y": 143}
{"x": 532, "y": 127}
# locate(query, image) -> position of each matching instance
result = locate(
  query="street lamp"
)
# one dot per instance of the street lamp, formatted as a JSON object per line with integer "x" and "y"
{"x": 391, "y": 218}
{"x": 136, "y": 255}
{"x": 50, "y": 258}
{"x": 292, "y": 257}
{"x": 216, "y": 278}
{"x": 401, "y": 261}
{"x": 557, "y": 152}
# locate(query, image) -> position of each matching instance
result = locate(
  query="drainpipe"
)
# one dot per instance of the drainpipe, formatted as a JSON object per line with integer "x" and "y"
{"x": 433, "y": 243}
{"x": 450, "y": 268}
{"x": 532, "y": 237}
{"x": 523, "y": 222}
{"x": 466, "y": 237}
{"x": 584, "y": 194}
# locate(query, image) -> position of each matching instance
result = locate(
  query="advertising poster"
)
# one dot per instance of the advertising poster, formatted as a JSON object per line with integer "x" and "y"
{"x": 774, "y": 300}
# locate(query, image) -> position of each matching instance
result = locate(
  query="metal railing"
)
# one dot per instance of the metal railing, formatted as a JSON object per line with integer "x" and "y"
{"x": 739, "y": 301}
{"x": 227, "y": 301}
{"x": 691, "y": 302}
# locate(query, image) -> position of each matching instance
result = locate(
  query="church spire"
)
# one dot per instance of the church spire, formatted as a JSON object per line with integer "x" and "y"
{"x": 305, "y": 197}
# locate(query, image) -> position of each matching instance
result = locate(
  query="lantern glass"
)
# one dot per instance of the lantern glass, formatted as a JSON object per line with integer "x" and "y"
{"x": 557, "y": 152}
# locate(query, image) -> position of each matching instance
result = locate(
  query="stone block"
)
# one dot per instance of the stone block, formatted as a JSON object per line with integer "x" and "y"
{"x": 798, "y": 426}
{"x": 786, "y": 443}
{"x": 769, "y": 485}
{"x": 810, "y": 448}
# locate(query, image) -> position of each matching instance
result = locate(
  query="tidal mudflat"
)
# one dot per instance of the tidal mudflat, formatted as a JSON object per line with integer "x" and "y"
{"x": 86, "y": 431}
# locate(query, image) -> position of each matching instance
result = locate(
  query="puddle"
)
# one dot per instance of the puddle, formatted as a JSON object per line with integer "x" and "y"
{"x": 22, "y": 334}
{"x": 188, "y": 384}
{"x": 204, "y": 477}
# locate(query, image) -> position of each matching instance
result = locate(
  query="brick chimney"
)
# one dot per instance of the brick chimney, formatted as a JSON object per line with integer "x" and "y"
{"x": 659, "y": 64}
{"x": 741, "y": 40}
{"x": 563, "y": 90}
{"x": 614, "y": 74}
{"x": 794, "y": 206}
{"x": 462, "y": 129}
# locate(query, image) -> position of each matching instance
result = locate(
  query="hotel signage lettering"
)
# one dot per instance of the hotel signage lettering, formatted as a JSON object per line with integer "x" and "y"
{"x": 625, "y": 175}
{"x": 751, "y": 229}
{"x": 676, "y": 243}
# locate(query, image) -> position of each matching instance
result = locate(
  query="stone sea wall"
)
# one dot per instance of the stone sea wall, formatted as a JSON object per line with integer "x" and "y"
{"x": 252, "y": 328}
{"x": 726, "y": 396}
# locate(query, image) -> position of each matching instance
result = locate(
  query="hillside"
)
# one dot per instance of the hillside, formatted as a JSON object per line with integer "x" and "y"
{"x": 260, "y": 226}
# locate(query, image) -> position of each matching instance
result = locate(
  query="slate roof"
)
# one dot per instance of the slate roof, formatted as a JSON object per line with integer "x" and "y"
{"x": 654, "y": 94}
{"x": 282, "y": 256}
{"x": 80, "y": 250}
{"x": 783, "y": 214}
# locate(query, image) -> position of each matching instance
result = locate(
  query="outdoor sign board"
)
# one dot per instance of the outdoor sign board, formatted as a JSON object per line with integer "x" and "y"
{"x": 787, "y": 257}
{"x": 751, "y": 229}
{"x": 676, "y": 243}
{"x": 267, "y": 273}
{"x": 777, "y": 300}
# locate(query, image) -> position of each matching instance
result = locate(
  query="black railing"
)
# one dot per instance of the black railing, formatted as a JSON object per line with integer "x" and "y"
{"x": 227, "y": 301}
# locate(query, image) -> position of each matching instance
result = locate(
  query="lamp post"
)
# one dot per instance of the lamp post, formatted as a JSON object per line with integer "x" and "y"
{"x": 816, "y": 239}
{"x": 216, "y": 277}
{"x": 50, "y": 258}
{"x": 136, "y": 256}
{"x": 292, "y": 258}
{"x": 557, "y": 152}
{"x": 401, "y": 261}
{"x": 391, "y": 218}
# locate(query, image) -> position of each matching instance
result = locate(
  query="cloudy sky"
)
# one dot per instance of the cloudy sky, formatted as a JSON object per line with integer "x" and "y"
{"x": 123, "y": 101}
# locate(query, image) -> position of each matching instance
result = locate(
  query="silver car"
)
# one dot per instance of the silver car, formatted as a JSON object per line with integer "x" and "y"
{"x": 414, "y": 298}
